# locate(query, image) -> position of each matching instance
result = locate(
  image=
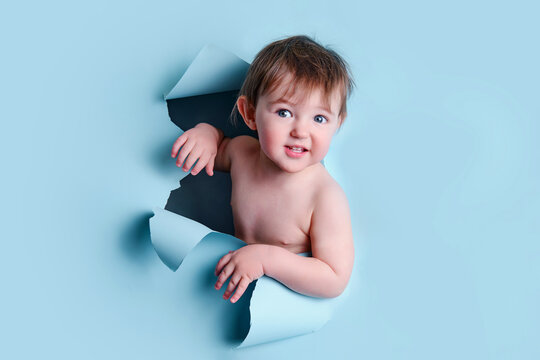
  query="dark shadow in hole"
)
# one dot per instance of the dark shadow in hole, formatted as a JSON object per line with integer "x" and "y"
{"x": 204, "y": 198}
{"x": 213, "y": 109}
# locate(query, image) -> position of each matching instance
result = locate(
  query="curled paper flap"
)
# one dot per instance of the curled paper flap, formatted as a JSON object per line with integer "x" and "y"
{"x": 173, "y": 236}
{"x": 275, "y": 311}
{"x": 213, "y": 70}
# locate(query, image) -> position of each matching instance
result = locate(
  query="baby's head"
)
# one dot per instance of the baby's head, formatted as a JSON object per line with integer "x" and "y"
{"x": 299, "y": 63}
{"x": 295, "y": 97}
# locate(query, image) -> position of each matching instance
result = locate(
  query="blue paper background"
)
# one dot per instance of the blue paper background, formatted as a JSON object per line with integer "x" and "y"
{"x": 439, "y": 157}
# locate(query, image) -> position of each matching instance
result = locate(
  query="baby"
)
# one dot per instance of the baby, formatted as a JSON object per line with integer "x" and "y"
{"x": 284, "y": 201}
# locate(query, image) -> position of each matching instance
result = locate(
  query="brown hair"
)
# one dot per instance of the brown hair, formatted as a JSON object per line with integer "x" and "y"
{"x": 311, "y": 65}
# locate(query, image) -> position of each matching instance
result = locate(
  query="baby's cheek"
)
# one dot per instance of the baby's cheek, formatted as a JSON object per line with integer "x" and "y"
{"x": 268, "y": 141}
{"x": 322, "y": 148}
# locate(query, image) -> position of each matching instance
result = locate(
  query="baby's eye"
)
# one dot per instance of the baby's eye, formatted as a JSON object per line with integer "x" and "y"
{"x": 284, "y": 113}
{"x": 320, "y": 119}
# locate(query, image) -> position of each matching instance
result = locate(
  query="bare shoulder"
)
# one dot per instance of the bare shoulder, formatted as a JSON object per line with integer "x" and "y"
{"x": 232, "y": 149}
{"x": 240, "y": 144}
{"x": 331, "y": 214}
{"x": 242, "y": 147}
{"x": 329, "y": 193}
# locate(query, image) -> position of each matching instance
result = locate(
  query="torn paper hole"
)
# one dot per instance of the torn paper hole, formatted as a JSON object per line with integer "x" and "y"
{"x": 195, "y": 229}
{"x": 275, "y": 311}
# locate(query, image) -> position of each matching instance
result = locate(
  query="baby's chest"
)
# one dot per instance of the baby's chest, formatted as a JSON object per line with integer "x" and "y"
{"x": 256, "y": 206}
{"x": 267, "y": 214}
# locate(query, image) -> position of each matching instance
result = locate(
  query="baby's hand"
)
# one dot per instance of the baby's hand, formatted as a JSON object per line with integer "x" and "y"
{"x": 199, "y": 143}
{"x": 243, "y": 266}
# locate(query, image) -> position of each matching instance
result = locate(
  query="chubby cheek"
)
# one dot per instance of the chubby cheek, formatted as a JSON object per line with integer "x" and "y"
{"x": 269, "y": 140}
{"x": 320, "y": 148}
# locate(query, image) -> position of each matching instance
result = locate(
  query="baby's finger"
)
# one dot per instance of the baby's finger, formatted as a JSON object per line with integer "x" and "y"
{"x": 203, "y": 160}
{"x": 235, "y": 279}
{"x": 240, "y": 289}
{"x": 192, "y": 158}
{"x": 184, "y": 151}
{"x": 178, "y": 144}
{"x": 222, "y": 262}
{"x": 210, "y": 165}
{"x": 225, "y": 273}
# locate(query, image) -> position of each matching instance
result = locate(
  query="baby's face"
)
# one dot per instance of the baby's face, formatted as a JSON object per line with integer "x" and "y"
{"x": 295, "y": 132}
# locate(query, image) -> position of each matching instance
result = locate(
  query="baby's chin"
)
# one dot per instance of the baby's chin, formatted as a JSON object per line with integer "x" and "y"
{"x": 298, "y": 167}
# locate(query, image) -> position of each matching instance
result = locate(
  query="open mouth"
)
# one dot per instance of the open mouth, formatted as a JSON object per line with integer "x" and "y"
{"x": 296, "y": 149}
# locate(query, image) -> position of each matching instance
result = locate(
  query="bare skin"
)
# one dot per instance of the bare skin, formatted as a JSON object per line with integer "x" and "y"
{"x": 259, "y": 215}
{"x": 284, "y": 201}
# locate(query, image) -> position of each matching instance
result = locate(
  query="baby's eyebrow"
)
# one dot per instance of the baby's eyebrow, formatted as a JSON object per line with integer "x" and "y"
{"x": 325, "y": 108}
{"x": 289, "y": 102}
{"x": 282, "y": 100}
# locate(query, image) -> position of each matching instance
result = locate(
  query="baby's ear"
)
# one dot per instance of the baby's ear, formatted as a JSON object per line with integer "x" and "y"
{"x": 247, "y": 110}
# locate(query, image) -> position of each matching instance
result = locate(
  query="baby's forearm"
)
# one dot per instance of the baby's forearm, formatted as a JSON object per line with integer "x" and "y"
{"x": 306, "y": 275}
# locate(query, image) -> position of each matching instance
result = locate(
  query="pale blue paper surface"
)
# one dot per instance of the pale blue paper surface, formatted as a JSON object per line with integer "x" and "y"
{"x": 276, "y": 312}
{"x": 439, "y": 157}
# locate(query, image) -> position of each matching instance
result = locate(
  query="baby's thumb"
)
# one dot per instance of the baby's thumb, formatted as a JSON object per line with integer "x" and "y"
{"x": 210, "y": 166}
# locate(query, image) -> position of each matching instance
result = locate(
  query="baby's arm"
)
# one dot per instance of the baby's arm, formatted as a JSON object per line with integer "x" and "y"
{"x": 204, "y": 143}
{"x": 326, "y": 274}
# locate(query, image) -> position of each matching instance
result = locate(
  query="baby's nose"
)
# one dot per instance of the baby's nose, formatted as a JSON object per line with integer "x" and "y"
{"x": 299, "y": 130}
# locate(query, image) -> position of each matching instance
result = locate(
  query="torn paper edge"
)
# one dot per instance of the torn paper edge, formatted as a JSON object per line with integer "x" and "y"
{"x": 171, "y": 246}
{"x": 213, "y": 70}
{"x": 174, "y": 237}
